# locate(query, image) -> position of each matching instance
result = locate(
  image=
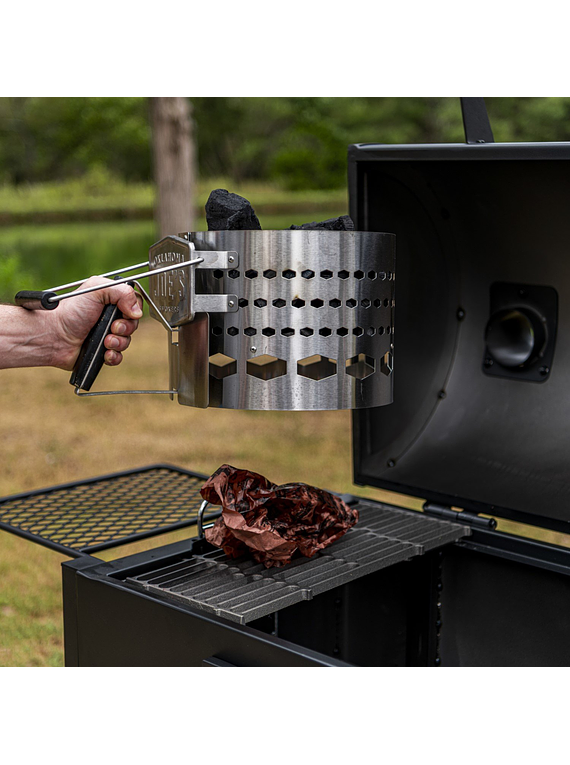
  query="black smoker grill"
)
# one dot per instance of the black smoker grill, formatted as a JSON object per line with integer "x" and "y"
{"x": 478, "y": 429}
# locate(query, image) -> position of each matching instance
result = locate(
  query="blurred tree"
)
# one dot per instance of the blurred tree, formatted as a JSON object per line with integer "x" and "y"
{"x": 296, "y": 142}
{"x": 44, "y": 139}
{"x": 173, "y": 153}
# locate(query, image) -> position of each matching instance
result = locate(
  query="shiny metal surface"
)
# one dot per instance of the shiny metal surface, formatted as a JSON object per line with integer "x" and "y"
{"x": 314, "y": 325}
{"x": 173, "y": 286}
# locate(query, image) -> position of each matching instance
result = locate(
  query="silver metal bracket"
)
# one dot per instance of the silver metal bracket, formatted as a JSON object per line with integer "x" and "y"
{"x": 174, "y": 292}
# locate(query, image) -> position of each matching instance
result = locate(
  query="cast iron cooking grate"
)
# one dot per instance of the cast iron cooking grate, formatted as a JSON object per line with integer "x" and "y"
{"x": 87, "y": 516}
{"x": 242, "y": 590}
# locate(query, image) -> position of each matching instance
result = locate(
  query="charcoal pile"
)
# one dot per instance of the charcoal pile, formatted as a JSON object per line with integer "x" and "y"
{"x": 229, "y": 212}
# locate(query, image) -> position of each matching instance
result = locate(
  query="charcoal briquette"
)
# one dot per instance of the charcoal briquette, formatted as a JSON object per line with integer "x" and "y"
{"x": 226, "y": 212}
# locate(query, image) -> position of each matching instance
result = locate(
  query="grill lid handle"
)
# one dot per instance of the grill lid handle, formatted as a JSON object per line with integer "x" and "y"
{"x": 476, "y": 121}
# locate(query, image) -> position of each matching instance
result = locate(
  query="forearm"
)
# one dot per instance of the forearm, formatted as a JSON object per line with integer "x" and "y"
{"x": 54, "y": 338}
{"x": 26, "y": 338}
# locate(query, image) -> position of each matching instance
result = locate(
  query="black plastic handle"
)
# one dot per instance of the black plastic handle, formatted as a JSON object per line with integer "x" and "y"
{"x": 476, "y": 121}
{"x": 36, "y": 300}
{"x": 91, "y": 355}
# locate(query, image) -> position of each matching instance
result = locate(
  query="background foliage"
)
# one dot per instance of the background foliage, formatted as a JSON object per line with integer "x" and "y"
{"x": 298, "y": 143}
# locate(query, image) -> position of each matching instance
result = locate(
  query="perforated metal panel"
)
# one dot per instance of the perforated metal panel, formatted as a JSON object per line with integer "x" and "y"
{"x": 92, "y": 515}
{"x": 315, "y": 325}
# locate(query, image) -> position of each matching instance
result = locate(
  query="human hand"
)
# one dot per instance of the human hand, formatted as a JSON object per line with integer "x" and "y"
{"x": 71, "y": 322}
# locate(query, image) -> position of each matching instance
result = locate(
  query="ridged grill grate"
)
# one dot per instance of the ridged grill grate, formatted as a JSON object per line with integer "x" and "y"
{"x": 92, "y": 515}
{"x": 242, "y": 590}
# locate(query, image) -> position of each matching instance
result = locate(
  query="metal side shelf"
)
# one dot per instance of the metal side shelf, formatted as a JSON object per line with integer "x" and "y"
{"x": 86, "y": 516}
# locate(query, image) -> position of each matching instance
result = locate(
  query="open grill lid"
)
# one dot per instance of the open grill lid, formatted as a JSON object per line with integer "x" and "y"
{"x": 483, "y": 234}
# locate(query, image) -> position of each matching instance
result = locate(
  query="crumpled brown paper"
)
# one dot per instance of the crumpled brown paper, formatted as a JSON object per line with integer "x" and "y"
{"x": 272, "y": 522}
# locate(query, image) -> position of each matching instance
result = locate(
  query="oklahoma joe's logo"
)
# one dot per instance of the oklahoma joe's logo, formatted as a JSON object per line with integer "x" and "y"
{"x": 168, "y": 290}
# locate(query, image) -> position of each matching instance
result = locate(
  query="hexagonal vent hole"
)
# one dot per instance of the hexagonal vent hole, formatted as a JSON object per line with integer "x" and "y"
{"x": 266, "y": 367}
{"x": 233, "y": 274}
{"x": 268, "y": 331}
{"x": 351, "y": 303}
{"x": 298, "y": 303}
{"x": 365, "y": 303}
{"x": 260, "y": 302}
{"x": 217, "y": 331}
{"x": 325, "y": 332}
{"x": 371, "y": 331}
{"x": 222, "y": 366}
{"x": 306, "y": 332}
{"x": 317, "y": 303}
{"x": 386, "y": 365}
{"x": 217, "y": 273}
{"x": 360, "y": 366}
{"x": 358, "y": 331}
{"x": 269, "y": 273}
{"x": 316, "y": 367}
{"x": 243, "y": 303}
{"x": 343, "y": 274}
{"x": 377, "y": 303}
{"x": 326, "y": 274}
{"x": 308, "y": 274}
{"x": 372, "y": 274}
{"x": 342, "y": 331}
{"x": 359, "y": 274}
{"x": 289, "y": 274}
{"x": 251, "y": 274}
{"x": 288, "y": 331}
{"x": 335, "y": 303}
{"x": 250, "y": 331}
{"x": 279, "y": 303}
{"x": 233, "y": 331}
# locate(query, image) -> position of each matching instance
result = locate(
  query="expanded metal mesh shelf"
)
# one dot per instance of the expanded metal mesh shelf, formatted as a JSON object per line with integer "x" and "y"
{"x": 87, "y": 516}
{"x": 242, "y": 590}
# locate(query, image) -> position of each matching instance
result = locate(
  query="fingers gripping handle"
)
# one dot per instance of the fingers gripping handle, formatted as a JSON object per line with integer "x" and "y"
{"x": 91, "y": 355}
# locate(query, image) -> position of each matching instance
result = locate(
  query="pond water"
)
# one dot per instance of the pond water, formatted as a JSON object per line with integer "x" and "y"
{"x": 38, "y": 257}
{"x": 43, "y": 256}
